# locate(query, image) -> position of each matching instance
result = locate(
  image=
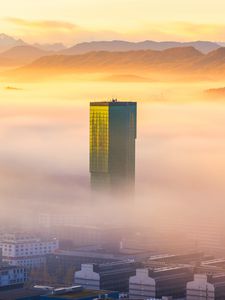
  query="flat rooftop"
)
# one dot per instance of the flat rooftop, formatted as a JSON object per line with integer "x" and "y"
{"x": 14, "y": 294}
{"x": 82, "y": 294}
{"x": 113, "y": 102}
{"x": 21, "y": 293}
{"x": 118, "y": 255}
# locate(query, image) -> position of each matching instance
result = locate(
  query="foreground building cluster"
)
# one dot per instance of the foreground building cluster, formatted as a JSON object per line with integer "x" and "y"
{"x": 188, "y": 276}
{"x": 106, "y": 273}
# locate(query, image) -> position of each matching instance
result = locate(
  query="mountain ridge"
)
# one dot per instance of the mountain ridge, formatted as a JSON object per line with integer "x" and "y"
{"x": 105, "y": 59}
{"x": 174, "y": 62}
{"x": 7, "y": 42}
{"x": 15, "y": 47}
{"x": 119, "y": 45}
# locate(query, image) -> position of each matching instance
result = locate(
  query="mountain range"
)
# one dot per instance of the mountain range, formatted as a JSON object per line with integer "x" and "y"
{"x": 119, "y": 59}
{"x": 142, "y": 64}
{"x": 104, "y": 60}
{"x": 7, "y": 42}
{"x": 23, "y": 49}
{"x": 112, "y": 46}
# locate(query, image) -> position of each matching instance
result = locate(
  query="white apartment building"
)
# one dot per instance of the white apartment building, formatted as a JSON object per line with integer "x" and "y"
{"x": 12, "y": 276}
{"x": 25, "y": 250}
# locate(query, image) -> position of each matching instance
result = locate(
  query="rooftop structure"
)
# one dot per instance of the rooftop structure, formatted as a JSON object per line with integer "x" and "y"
{"x": 210, "y": 287}
{"x": 64, "y": 260}
{"x": 111, "y": 276}
{"x": 165, "y": 281}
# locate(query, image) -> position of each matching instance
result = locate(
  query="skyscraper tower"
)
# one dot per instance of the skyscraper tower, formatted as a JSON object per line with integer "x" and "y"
{"x": 112, "y": 146}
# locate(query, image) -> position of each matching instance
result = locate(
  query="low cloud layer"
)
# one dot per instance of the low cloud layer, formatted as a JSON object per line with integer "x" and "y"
{"x": 44, "y": 157}
{"x": 70, "y": 33}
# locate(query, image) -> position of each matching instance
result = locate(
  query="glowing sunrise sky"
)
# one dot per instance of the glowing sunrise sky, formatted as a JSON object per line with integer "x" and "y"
{"x": 71, "y": 21}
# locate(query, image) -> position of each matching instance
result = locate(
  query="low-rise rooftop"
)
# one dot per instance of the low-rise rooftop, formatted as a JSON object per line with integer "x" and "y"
{"x": 21, "y": 293}
{"x": 80, "y": 295}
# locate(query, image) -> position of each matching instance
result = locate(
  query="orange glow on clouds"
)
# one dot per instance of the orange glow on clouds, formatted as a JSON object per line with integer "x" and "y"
{"x": 72, "y": 21}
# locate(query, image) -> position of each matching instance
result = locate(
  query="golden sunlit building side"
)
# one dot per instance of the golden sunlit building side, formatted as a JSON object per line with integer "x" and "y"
{"x": 99, "y": 144}
{"x": 112, "y": 145}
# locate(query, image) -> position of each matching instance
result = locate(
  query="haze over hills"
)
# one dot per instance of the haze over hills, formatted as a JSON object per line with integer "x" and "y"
{"x": 214, "y": 59}
{"x": 174, "y": 63}
{"x": 17, "y": 53}
{"x": 7, "y": 62}
{"x": 7, "y": 42}
{"x": 216, "y": 92}
{"x": 121, "y": 59}
{"x": 185, "y": 57}
{"x": 23, "y": 54}
{"x": 203, "y": 46}
{"x": 51, "y": 47}
{"x": 106, "y": 61}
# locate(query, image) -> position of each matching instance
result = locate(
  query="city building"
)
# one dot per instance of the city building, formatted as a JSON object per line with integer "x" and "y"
{"x": 209, "y": 287}
{"x": 111, "y": 276}
{"x": 63, "y": 260}
{"x": 160, "y": 282}
{"x": 112, "y": 145}
{"x": 12, "y": 277}
{"x": 19, "y": 249}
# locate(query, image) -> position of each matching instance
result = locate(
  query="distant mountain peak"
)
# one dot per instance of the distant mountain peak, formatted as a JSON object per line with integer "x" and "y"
{"x": 7, "y": 42}
{"x": 5, "y": 36}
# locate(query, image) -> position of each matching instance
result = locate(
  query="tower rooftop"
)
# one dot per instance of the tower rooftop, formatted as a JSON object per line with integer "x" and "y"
{"x": 113, "y": 102}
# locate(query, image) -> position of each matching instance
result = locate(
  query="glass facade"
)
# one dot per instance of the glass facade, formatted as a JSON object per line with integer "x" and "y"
{"x": 112, "y": 145}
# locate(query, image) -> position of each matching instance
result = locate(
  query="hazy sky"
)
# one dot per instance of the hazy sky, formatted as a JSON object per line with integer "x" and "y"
{"x": 77, "y": 20}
